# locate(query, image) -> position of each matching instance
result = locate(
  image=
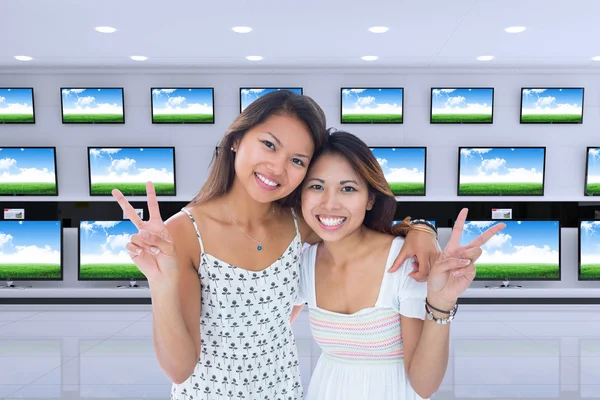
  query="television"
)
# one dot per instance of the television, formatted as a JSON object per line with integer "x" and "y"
{"x": 462, "y": 106}
{"x": 102, "y": 251}
{"x": 16, "y": 106}
{"x": 592, "y": 172}
{"x": 183, "y": 105}
{"x": 92, "y": 105}
{"x": 404, "y": 168}
{"x": 248, "y": 95}
{"x": 524, "y": 250}
{"x": 432, "y": 222}
{"x": 372, "y": 105}
{"x": 501, "y": 171}
{"x": 589, "y": 250}
{"x": 551, "y": 105}
{"x": 129, "y": 168}
{"x": 31, "y": 250}
{"x": 28, "y": 171}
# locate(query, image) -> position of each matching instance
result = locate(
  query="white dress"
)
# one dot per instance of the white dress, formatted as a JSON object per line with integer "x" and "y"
{"x": 362, "y": 354}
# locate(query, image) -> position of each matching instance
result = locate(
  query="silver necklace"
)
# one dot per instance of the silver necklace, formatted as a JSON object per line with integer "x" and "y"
{"x": 259, "y": 247}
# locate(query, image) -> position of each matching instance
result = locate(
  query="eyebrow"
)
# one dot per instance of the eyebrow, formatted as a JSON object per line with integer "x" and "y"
{"x": 341, "y": 182}
{"x": 279, "y": 143}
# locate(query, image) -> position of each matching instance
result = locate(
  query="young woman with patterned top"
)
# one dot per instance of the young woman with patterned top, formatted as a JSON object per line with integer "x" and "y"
{"x": 223, "y": 273}
{"x": 368, "y": 322}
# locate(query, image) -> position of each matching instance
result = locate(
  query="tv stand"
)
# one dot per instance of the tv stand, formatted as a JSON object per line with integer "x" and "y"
{"x": 132, "y": 284}
{"x": 10, "y": 285}
{"x": 505, "y": 285}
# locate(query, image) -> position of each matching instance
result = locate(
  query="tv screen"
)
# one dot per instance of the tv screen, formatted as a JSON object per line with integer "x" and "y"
{"x": 552, "y": 106}
{"x": 524, "y": 250}
{"x": 183, "y": 106}
{"x": 92, "y": 106}
{"x": 462, "y": 106}
{"x": 589, "y": 250}
{"x": 404, "y": 169}
{"x": 248, "y": 95}
{"x": 592, "y": 172}
{"x": 28, "y": 171}
{"x": 16, "y": 106}
{"x": 30, "y": 250}
{"x": 129, "y": 168}
{"x": 372, "y": 105}
{"x": 501, "y": 171}
{"x": 102, "y": 252}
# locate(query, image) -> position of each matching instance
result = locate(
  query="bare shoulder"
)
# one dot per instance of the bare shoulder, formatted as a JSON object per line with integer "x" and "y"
{"x": 182, "y": 231}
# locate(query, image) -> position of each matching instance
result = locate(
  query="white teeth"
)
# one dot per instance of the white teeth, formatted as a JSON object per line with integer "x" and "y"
{"x": 331, "y": 221}
{"x": 266, "y": 181}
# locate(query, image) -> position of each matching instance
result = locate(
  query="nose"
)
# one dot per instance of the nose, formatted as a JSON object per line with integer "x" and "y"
{"x": 330, "y": 200}
{"x": 277, "y": 166}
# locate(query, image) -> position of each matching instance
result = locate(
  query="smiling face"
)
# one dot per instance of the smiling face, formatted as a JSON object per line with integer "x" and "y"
{"x": 272, "y": 158}
{"x": 335, "y": 198}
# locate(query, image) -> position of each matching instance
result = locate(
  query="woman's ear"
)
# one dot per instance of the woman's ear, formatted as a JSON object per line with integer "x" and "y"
{"x": 371, "y": 202}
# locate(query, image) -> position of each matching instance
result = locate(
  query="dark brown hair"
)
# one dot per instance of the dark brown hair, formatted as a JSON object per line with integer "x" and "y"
{"x": 280, "y": 102}
{"x": 381, "y": 216}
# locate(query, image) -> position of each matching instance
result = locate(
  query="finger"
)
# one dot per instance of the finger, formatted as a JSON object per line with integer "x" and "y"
{"x": 471, "y": 253}
{"x": 157, "y": 243}
{"x": 485, "y": 236}
{"x": 139, "y": 242}
{"x": 153, "y": 208}
{"x": 452, "y": 263}
{"x": 465, "y": 271}
{"x": 418, "y": 276}
{"x": 402, "y": 256}
{"x": 127, "y": 208}
{"x": 133, "y": 249}
{"x": 458, "y": 227}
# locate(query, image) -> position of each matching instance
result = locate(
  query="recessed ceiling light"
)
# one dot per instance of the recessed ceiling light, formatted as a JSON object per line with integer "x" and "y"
{"x": 485, "y": 58}
{"x": 596, "y": 58}
{"x": 241, "y": 29}
{"x": 370, "y": 58}
{"x": 254, "y": 58}
{"x": 24, "y": 58}
{"x": 139, "y": 58}
{"x": 515, "y": 29}
{"x": 378, "y": 29}
{"x": 106, "y": 29}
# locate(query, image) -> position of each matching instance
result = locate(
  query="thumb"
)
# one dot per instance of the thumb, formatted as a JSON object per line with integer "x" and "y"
{"x": 402, "y": 256}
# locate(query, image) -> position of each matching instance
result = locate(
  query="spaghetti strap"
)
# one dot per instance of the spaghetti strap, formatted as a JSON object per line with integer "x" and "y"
{"x": 295, "y": 220}
{"x": 196, "y": 228}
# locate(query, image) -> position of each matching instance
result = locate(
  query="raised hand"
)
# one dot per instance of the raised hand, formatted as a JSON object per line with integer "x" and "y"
{"x": 151, "y": 249}
{"x": 454, "y": 269}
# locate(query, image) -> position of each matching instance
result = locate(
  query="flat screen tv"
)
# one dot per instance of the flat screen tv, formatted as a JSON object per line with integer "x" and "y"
{"x": 102, "y": 251}
{"x": 129, "y": 168}
{"x": 404, "y": 168}
{"x": 552, "y": 105}
{"x": 16, "y": 106}
{"x": 183, "y": 106}
{"x": 592, "y": 172}
{"x": 372, "y": 105}
{"x": 462, "y": 106}
{"x": 31, "y": 250}
{"x": 501, "y": 171}
{"x": 92, "y": 105}
{"x": 589, "y": 250}
{"x": 248, "y": 95}
{"x": 28, "y": 171}
{"x": 524, "y": 250}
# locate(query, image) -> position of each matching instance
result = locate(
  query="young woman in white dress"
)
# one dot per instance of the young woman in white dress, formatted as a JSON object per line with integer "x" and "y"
{"x": 223, "y": 273}
{"x": 370, "y": 324}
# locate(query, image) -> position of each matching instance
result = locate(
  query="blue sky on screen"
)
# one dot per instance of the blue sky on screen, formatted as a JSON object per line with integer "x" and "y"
{"x": 521, "y": 242}
{"x": 593, "y": 165}
{"x": 499, "y": 165}
{"x": 25, "y": 242}
{"x": 131, "y": 165}
{"x": 248, "y": 95}
{"x": 27, "y": 165}
{"x": 182, "y": 101}
{"x": 552, "y": 101}
{"x": 103, "y": 242}
{"x": 16, "y": 101}
{"x": 461, "y": 101}
{"x": 372, "y": 101}
{"x": 401, "y": 164}
{"x": 590, "y": 242}
{"x": 92, "y": 101}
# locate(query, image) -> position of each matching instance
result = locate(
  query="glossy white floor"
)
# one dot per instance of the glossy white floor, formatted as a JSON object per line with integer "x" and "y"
{"x": 105, "y": 352}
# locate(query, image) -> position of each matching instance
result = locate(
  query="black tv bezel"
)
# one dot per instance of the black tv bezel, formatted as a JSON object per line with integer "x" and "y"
{"x": 459, "y": 123}
{"x": 132, "y": 147}
{"x": 62, "y": 252}
{"x": 79, "y": 279}
{"x": 579, "y": 278}
{"x": 587, "y": 166}
{"x": 212, "y": 92}
{"x": 552, "y": 123}
{"x": 55, "y": 171}
{"x": 501, "y": 195}
{"x": 424, "y": 167}
{"x": 62, "y": 108}
{"x": 497, "y": 221}
{"x": 267, "y": 88}
{"x": 32, "y": 106}
{"x": 370, "y": 88}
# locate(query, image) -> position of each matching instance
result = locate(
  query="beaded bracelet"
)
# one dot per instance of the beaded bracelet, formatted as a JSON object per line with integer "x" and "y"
{"x": 429, "y": 309}
{"x": 424, "y": 222}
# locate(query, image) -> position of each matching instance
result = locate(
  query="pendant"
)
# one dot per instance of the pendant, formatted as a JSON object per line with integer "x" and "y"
{"x": 259, "y": 247}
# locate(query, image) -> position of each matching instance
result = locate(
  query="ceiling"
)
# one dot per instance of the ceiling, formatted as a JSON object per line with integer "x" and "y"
{"x": 300, "y": 33}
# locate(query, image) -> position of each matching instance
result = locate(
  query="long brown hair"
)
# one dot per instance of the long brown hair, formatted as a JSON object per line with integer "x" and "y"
{"x": 380, "y": 217}
{"x": 279, "y": 102}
